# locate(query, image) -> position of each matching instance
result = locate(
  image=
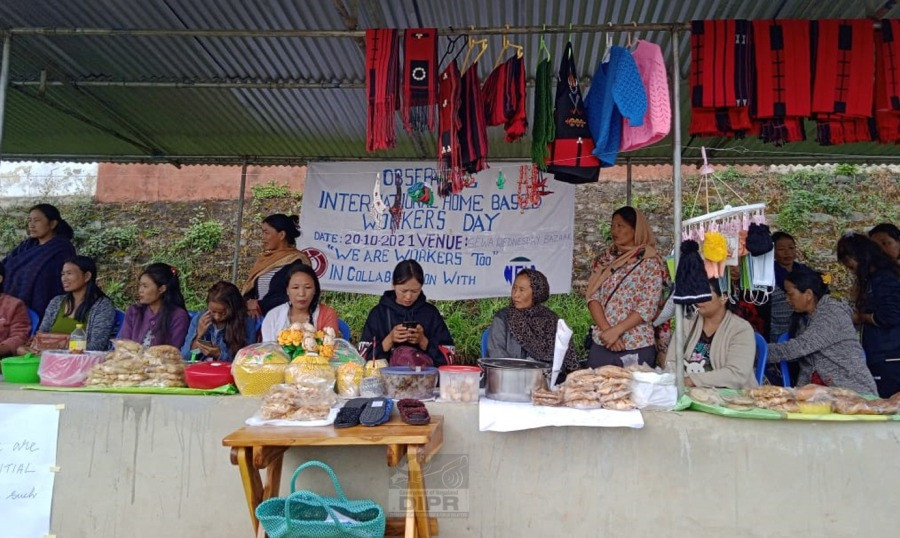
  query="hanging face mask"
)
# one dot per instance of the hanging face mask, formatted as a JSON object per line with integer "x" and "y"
{"x": 763, "y": 271}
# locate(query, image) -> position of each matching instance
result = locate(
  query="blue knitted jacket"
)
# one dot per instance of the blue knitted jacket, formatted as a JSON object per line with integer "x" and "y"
{"x": 616, "y": 91}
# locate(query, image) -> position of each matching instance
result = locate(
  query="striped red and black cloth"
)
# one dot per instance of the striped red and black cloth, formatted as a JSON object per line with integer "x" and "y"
{"x": 783, "y": 79}
{"x": 382, "y": 87}
{"x": 504, "y": 98}
{"x": 448, "y": 120}
{"x": 843, "y": 60}
{"x": 473, "y": 142}
{"x": 721, "y": 78}
{"x": 420, "y": 78}
{"x": 887, "y": 81}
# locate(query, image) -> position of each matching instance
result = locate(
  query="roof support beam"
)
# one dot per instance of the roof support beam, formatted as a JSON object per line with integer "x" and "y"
{"x": 4, "y": 84}
{"x": 293, "y": 33}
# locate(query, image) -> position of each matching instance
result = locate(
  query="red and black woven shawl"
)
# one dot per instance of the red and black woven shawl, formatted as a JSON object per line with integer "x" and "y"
{"x": 783, "y": 79}
{"x": 843, "y": 67}
{"x": 420, "y": 78}
{"x": 721, "y": 77}
{"x": 382, "y": 87}
{"x": 887, "y": 81}
{"x": 843, "y": 60}
{"x": 473, "y": 143}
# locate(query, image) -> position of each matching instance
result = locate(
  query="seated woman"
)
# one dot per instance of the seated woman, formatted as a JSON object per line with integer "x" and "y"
{"x": 33, "y": 267}
{"x": 779, "y": 312}
{"x": 223, "y": 329}
{"x": 160, "y": 316}
{"x": 877, "y": 307}
{"x": 719, "y": 347}
{"x": 403, "y": 317}
{"x": 624, "y": 291}
{"x": 15, "y": 325}
{"x": 302, "y": 305}
{"x": 823, "y": 339}
{"x": 887, "y": 236}
{"x": 264, "y": 288}
{"x": 83, "y": 303}
{"x": 527, "y": 328}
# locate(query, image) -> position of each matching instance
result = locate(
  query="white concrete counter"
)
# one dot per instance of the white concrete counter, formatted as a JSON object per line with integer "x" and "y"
{"x": 148, "y": 466}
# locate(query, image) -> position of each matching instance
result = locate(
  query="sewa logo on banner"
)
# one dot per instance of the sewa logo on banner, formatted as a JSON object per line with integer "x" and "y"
{"x": 471, "y": 244}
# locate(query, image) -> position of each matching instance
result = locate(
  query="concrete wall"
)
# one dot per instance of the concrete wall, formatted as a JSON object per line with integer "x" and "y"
{"x": 148, "y": 466}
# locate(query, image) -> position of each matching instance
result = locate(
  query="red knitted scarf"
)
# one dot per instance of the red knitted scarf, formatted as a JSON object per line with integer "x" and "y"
{"x": 504, "y": 98}
{"x": 382, "y": 87}
{"x": 420, "y": 78}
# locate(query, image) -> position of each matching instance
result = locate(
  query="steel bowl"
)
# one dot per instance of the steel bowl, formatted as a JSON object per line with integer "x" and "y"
{"x": 512, "y": 380}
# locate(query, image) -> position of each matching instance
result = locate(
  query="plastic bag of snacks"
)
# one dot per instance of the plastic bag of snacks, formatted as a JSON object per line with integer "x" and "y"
{"x": 259, "y": 366}
{"x": 124, "y": 367}
{"x": 349, "y": 374}
{"x": 309, "y": 366}
{"x": 308, "y": 400}
{"x": 373, "y": 367}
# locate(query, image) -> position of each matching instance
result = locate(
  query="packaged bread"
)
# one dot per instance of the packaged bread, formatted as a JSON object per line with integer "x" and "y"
{"x": 309, "y": 400}
{"x": 306, "y": 367}
{"x": 258, "y": 367}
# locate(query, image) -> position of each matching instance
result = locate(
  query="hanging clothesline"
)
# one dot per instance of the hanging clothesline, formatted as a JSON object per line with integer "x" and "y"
{"x": 297, "y": 33}
{"x": 728, "y": 211}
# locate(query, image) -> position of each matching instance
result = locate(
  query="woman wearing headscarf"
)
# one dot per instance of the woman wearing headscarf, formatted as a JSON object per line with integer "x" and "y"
{"x": 266, "y": 284}
{"x": 527, "y": 328}
{"x": 623, "y": 292}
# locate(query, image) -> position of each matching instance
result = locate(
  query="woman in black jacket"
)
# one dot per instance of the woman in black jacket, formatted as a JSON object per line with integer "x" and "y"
{"x": 877, "y": 294}
{"x": 403, "y": 317}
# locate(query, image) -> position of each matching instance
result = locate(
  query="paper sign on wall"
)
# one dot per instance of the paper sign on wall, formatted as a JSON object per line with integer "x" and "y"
{"x": 28, "y": 435}
{"x": 471, "y": 244}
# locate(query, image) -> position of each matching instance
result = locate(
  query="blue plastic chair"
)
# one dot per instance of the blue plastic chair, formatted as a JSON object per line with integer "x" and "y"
{"x": 785, "y": 374}
{"x": 120, "y": 321}
{"x": 345, "y": 329}
{"x": 762, "y": 354}
{"x": 484, "y": 342}
{"x": 35, "y": 321}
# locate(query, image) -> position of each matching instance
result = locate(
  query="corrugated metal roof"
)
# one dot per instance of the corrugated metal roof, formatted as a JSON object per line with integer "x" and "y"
{"x": 289, "y": 125}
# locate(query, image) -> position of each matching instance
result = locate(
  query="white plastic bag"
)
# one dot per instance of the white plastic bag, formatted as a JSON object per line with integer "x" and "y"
{"x": 650, "y": 390}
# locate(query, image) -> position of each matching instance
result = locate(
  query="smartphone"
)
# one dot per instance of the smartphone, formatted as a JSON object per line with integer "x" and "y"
{"x": 410, "y": 324}
{"x": 204, "y": 342}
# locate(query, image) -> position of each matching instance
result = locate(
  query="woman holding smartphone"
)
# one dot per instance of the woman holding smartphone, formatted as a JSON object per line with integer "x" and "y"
{"x": 403, "y": 317}
{"x": 223, "y": 329}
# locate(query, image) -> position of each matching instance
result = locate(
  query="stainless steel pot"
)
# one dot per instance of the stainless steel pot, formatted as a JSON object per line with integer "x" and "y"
{"x": 512, "y": 380}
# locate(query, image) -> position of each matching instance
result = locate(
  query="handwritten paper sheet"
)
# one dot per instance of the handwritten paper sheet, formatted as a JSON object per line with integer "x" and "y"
{"x": 28, "y": 435}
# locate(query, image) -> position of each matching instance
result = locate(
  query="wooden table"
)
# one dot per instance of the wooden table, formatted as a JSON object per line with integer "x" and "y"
{"x": 258, "y": 448}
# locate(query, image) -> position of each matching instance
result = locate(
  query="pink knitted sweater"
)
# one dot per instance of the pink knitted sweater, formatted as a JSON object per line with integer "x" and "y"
{"x": 658, "y": 119}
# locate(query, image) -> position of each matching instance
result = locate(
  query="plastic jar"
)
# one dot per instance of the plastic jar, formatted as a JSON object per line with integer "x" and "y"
{"x": 460, "y": 383}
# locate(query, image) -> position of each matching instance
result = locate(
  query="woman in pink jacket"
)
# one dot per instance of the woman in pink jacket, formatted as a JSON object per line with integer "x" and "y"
{"x": 15, "y": 326}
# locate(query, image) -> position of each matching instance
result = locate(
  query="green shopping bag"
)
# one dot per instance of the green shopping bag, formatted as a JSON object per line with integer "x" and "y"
{"x": 307, "y": 514}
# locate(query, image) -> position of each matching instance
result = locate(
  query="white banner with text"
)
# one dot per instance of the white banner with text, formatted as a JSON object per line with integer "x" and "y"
{"x": 470, "y": 244}
{"x": 28, "y": 436}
